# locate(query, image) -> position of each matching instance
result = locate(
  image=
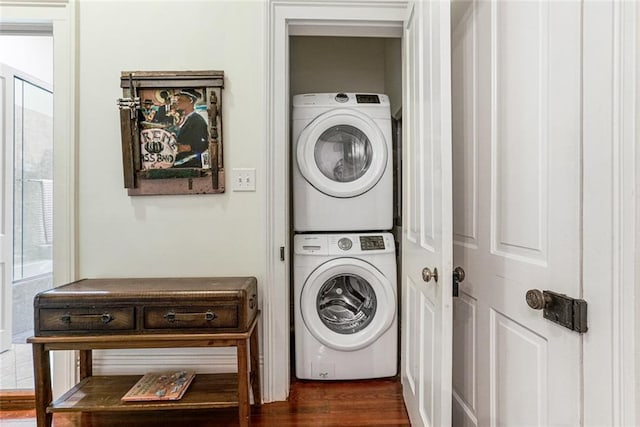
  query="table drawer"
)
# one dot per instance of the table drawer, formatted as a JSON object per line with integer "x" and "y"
{"x": 87, "y": 319}
{"x": 192, "y": 317}
{"x": 147, "y": 305}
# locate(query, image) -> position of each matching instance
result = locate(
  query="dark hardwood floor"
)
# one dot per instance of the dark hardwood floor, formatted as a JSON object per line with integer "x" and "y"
{"x": 311, "y": 403}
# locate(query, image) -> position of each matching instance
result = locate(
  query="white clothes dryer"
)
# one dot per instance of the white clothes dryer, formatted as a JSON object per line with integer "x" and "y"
{"x": 345, "y": 305}
{"x": 342, "y": 162}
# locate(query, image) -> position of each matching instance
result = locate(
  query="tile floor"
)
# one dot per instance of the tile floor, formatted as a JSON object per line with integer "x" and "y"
{"x": 16, "y": 368}
{"x": 18, "y": 423}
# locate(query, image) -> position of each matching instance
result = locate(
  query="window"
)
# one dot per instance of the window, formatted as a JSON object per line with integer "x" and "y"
{"x": 33, "y": 180}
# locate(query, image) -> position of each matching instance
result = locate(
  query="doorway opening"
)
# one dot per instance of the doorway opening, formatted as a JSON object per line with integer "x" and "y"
{"x": 26, "y": 64}
{"x": 347, "y": 64}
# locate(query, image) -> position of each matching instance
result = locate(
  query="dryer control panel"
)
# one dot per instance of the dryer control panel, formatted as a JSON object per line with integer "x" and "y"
{"x": 367, "y": 99}
{"x": 371, "y": 243}
{"x": 340, "y": 99}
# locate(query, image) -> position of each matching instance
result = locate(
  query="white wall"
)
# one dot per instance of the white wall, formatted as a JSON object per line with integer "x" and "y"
{"x": 336, "y": 64}
{"x": 169, "y": 235}
{"x": 393, "y": 74}
{"x": 32, "y": 55}
{"x": 156, "y": 236}
{"x": 346, "y": 64}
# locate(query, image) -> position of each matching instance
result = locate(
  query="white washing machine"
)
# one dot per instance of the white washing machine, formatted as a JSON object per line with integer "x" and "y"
{"x": 345, "y": 304}
{"x": 342, "y": 162}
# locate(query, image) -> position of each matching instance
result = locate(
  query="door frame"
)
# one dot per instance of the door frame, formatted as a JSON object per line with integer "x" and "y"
{"x": 61, "y": 15}
{"x": 609, "y": 229}
{"x": 610, "y": 211}
{"x": 285, "y": 18}
{"x": 9, "y": 74}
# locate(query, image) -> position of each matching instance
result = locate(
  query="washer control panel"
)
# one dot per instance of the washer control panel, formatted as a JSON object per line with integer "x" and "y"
{"x": 343, "y": 244}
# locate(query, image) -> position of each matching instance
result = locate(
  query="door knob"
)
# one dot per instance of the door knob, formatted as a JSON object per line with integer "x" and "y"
{"x": 537, "y": 300}
{"x": 427, "y": 275}
{"x": 458, "y": 276}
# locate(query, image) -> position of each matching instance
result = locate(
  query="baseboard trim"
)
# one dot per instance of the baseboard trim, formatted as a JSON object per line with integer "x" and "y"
{"x": 17, "y": 400}
{"x": 140, "y": 361}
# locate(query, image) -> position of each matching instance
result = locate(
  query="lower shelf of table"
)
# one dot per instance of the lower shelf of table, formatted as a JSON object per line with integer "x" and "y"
{"x": 103, "y": 394}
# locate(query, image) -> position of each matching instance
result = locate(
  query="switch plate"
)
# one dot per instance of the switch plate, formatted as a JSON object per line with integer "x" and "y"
{"x": 244, "y": 179}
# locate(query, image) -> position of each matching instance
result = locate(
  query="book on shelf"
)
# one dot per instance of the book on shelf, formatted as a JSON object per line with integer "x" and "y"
{"x": 160, "y": 386}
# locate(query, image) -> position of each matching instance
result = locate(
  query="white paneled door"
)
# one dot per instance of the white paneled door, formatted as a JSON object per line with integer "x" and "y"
{"x": 516, "y": 85}
{"x": 426, "y": 236}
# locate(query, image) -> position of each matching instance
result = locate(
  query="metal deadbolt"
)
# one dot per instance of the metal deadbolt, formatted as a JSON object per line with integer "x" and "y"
{"x": 560, "y": 308}
{"x": 427, "y": 275}
{"x": 536, "y": 299}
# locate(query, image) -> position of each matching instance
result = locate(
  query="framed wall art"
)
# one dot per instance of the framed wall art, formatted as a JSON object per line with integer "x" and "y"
{"x": 171, "y": 126}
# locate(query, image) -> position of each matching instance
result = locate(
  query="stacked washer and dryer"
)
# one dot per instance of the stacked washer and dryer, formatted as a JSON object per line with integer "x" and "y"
{"x": 344, "y": 277}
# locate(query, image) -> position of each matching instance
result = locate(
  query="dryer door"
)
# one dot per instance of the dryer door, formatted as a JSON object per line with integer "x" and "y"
{"x": 342, "y": 153}
{"x": 347, "y": 304}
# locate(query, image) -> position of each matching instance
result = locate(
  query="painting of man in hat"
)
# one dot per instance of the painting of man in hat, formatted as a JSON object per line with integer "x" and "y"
{"x": 192, "y": 134}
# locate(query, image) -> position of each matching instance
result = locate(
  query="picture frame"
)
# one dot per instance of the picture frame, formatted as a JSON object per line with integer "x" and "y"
{"x": 171, "y": 128}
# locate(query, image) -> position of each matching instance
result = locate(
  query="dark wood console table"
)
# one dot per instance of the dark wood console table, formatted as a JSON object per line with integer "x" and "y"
{"x": 125, "y": 313}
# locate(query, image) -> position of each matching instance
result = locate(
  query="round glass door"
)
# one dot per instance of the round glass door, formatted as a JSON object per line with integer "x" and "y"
{"x": 347, "y": 304}
{"x": 342, "y": 153}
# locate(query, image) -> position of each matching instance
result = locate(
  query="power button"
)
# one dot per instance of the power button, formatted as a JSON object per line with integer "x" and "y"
{"x": 345, "y": 244}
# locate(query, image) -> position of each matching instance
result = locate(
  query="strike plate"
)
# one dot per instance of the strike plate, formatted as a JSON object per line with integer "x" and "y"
{"x": 566, "y": 311}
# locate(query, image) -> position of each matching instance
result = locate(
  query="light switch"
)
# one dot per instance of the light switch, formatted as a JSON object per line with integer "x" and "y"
{"x": 244, "y": 179}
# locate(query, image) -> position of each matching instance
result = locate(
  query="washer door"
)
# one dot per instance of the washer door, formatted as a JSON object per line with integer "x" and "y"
{"x": 342, "y": 153}
{"x": 347, "y": 304}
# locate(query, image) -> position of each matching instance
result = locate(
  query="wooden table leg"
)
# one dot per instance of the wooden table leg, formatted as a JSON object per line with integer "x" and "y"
{"x": 86, "y": 364}
{"x": 243, "y": 384}
{"x": 42, "y": 382}
{"x": 255, "y": 368}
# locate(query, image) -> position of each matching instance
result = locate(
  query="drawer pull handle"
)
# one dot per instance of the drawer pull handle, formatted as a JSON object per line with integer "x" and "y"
{"x": 172, "y": 316}
{"x": 252, "y": 302}
{"x": 104, "y": 317}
